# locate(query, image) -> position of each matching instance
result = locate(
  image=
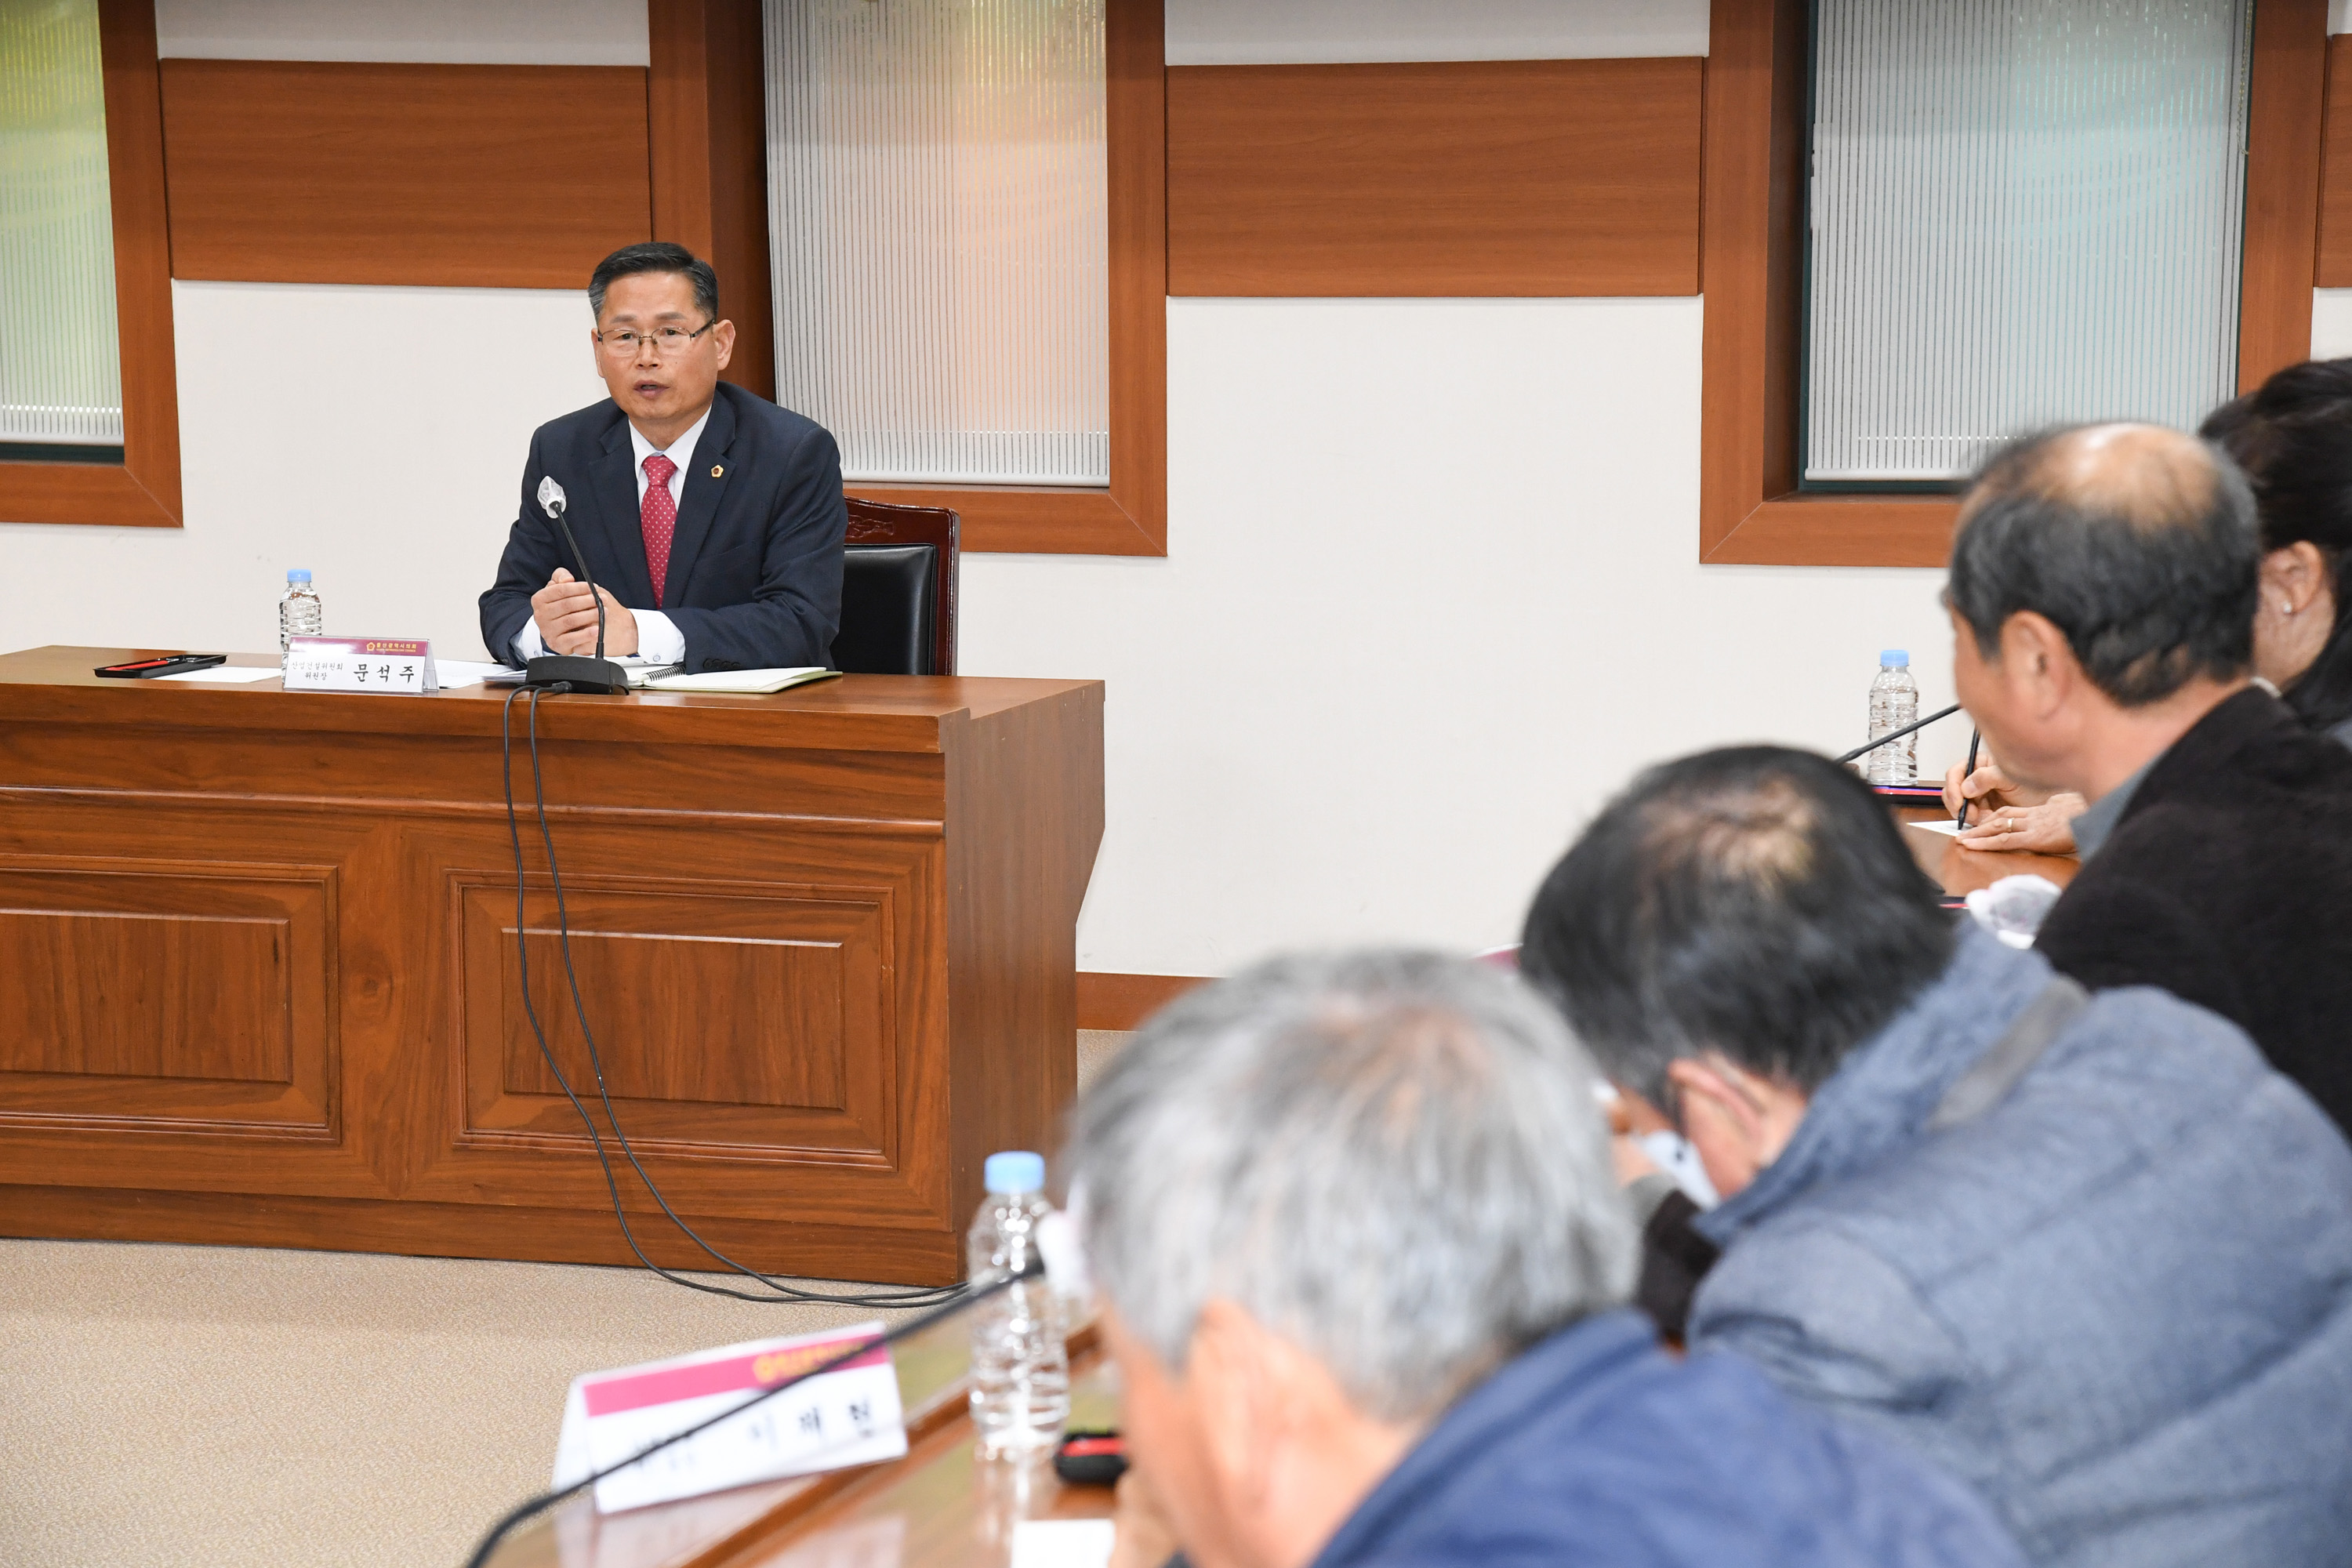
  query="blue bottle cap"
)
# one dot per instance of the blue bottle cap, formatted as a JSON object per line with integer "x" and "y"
{"x": 298, "y": 574}
{"x": 1894, "y": 656}
{"x": 1015, "y": 1170}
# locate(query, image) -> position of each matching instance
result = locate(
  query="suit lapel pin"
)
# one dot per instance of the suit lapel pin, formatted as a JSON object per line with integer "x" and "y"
{"x": 716, "y": 470}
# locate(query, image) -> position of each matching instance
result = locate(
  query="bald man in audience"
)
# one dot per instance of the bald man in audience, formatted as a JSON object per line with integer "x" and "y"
{"x": 2101, "y": 594}
{"x": 1365, "y": 1271}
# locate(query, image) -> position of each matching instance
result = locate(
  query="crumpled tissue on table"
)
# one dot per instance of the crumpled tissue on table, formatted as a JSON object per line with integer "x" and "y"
{"x": 2015, "y": 908}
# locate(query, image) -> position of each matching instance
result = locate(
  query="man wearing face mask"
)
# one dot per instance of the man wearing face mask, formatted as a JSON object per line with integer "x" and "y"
{"x": 2089, "y": 1253}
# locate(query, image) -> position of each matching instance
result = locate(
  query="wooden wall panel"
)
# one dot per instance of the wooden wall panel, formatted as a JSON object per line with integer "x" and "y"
{"x": 1486, "y": 177}
{"x": 308, "y": 172}
{"x": 2287, "y": 103}
{"x": 706, "y": 100}
{"x": 2335, "y": 269}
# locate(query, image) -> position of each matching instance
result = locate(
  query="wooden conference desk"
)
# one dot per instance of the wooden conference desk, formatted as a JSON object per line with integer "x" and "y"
{"x": 258, "y": 981}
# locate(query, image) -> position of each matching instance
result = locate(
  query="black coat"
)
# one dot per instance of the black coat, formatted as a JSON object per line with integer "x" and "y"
{"x": 2227, "y": 882}
{"x": 754, "y": 577}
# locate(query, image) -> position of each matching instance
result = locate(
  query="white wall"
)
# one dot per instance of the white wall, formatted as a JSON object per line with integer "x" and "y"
{"x": 2331, "y": 320}
{"x": 375, "y": 436}
{"x": 1432, "y": 595}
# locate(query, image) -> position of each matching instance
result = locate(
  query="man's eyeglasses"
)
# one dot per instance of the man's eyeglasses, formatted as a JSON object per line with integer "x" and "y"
{"x": 623, "y": 341}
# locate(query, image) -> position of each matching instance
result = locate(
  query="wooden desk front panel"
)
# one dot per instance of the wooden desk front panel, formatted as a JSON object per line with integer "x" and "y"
{"x": 764, "y": 997}
{"x": 263, "y": 983}
{"x": 196, "y": 990}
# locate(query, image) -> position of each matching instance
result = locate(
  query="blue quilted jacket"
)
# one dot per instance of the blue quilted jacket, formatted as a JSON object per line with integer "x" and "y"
{"x": 2118, "y": 1304}
{"x": 1594, "y": 1448}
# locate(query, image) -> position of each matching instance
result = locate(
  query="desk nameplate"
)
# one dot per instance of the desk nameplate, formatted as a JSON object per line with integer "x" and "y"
{"x": 393, "y": 665}
{"x": 834, "y": 1420}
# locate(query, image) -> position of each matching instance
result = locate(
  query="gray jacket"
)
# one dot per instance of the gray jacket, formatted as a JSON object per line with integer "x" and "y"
{"x": 2118, "y": 1303}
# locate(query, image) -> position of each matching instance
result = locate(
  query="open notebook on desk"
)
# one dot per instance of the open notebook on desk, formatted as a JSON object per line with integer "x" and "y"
{"x": 750, "y": 680}
{"x": 672, "y": 678}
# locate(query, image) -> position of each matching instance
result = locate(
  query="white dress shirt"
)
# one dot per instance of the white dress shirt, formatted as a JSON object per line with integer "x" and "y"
{"x": 659, "y": 639}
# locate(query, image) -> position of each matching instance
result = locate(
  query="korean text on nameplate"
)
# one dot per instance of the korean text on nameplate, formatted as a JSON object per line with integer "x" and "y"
{"x": 393, "y": 665}
{"x": 849, "y": 1415}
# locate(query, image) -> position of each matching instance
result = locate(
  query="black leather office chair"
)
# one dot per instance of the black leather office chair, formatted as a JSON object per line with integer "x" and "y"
{"x": 897, "y": 591}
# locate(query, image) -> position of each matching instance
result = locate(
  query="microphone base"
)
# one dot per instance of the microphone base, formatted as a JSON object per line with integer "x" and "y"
{"x": 596, "y": 674}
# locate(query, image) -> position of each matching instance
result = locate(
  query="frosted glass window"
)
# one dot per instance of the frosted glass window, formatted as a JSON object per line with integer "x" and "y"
{"x": 937, "y": 205}
{"x": 61, "y": 373}
{"x": 2022, "y": 212}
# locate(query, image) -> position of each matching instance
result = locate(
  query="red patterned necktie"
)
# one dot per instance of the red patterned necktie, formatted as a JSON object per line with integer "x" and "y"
{"x": 660, "y": 508}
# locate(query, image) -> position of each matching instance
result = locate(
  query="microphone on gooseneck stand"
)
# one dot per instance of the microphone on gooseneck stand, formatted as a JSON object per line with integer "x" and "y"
{"x": 597, "y": 674}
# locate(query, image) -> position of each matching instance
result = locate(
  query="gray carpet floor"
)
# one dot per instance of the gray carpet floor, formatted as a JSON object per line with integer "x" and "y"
{"x": 165, "y": 1406}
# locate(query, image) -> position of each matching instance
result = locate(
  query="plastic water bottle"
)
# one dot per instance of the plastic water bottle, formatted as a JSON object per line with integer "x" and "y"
{"x": 1894, "y": 702}
{"x": 1020, "y": 1367}
{"x": 299, "y": 613}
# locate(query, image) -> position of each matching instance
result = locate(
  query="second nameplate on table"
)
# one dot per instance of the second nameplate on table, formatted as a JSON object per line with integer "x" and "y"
{"x": 847, "y": 1416}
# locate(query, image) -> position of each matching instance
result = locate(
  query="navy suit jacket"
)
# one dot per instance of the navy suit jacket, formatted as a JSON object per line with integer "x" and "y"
{"x": 754, "y": 577}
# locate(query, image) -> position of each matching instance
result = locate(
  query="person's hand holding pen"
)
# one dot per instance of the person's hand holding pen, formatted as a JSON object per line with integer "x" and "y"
{"x": 1976, "y": 740}
{"x": 2001, "y": 815}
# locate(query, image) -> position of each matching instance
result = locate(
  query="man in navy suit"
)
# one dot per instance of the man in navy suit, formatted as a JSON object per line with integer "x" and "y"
{"x": 712, "y": 518}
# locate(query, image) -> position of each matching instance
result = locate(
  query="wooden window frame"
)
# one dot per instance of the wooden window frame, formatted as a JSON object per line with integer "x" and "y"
{"x": 1750, "y": 255}
{"x": 1129, "y": 516}
{"x": 143, "y": 489}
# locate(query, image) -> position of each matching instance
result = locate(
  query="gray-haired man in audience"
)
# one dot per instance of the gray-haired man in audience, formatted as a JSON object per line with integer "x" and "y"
{"x": 1364, "y": 1265}
{"x": 2091, "y": 1254}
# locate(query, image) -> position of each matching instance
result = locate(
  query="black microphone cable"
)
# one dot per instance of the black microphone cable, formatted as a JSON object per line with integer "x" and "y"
{"x": 1877, "y": 741}
{"x": 777, "y": 1290}
{"x": 548, "y": 1499}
